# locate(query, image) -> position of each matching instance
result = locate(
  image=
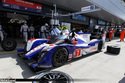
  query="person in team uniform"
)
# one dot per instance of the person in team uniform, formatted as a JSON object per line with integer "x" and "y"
{"x": 47, "y": 29}
{"x": 44, "y": 31}
{"x": 24, "y": 31}
{"x": 31, "y": 30}
{"x": 104, "y": 37}
{"x": 110, "y": 34}
{"x": 122, "y": 35}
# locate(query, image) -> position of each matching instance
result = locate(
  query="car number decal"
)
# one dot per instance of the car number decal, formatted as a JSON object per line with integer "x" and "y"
{"x": 77, "y": 53}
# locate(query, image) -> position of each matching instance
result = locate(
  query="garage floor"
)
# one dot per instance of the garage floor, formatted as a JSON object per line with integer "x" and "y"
{"x": 97, "y": 68}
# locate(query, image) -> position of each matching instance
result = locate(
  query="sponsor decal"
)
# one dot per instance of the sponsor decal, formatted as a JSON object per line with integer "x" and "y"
{"x": 37, "y": 48}
{"x": 93, "y": 49}
{"x": 23, "y": 3}
{"x": 70, "y": 56}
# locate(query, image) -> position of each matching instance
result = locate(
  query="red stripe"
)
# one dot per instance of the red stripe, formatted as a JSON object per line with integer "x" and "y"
{"x": 23, "y": 3}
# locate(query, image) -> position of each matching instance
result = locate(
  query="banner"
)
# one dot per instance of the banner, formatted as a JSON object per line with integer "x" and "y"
{"x": 22, "y": 5}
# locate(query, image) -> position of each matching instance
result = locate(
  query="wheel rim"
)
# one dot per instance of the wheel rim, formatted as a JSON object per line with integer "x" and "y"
{"x": 8, "y": 44}
{"x": 60, "y": 57}
{"x": 54, "y": 77}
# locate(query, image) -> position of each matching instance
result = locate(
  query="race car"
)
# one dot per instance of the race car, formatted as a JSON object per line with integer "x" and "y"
{"x": 54, "y": 54}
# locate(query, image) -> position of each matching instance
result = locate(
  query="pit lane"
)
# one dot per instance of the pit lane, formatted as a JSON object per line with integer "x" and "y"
{"x": 97, "y": 68}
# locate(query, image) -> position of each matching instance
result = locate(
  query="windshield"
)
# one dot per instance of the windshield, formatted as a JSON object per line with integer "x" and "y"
{"x": 57, "y": 39}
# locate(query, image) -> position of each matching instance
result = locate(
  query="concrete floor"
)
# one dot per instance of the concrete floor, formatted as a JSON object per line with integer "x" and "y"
{"x": 97, "y": 68}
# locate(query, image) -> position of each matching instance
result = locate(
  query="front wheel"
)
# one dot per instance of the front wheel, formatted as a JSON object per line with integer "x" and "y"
{"x": 60, "y": 57}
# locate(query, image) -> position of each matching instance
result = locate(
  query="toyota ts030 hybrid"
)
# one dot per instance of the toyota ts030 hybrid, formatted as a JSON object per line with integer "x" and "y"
{"x": 49, "y": 53}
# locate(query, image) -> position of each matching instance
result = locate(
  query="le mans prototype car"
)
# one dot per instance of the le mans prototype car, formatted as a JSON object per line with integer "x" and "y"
{"x": 46, "y": 53}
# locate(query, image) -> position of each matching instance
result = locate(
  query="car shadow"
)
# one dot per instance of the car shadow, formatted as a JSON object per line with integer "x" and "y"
{"x": 69, "y": 62}
{"x": 118, "y": 41}
{"x": 25, "y": 70}
{"x": 110, "y": 54}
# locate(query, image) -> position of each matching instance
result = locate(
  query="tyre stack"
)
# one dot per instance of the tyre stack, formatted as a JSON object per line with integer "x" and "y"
{"x": 8, "y": 44}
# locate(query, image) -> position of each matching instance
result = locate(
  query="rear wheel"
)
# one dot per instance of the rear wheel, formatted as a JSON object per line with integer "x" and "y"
{"x": 8, "y": 44}
{"x": 60, "y": 57}
{"x": 100, "y": 46}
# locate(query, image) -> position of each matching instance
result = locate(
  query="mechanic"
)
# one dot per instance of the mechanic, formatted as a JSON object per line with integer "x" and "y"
{"x": 31, "y": 30}
{"x": 1, "y": 33}
{"x": 43, "y": 30}
{"x": 110, "y": 34}
{"x": 122, "y": 35}
{"x": 113, "y": 35}
{"x": 55, "y": 30}
{"x": 47, "y": 30}
{"x": 24, "y": 31}
{"x": 104, "y": 37}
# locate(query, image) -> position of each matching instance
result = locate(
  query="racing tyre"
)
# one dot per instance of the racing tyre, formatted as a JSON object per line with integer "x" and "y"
{"x": 100, "y": 46}
{"x": 60, "y": 57}
{"x": 8, "y": 44}
{"x": 53, "y": 77}
{"x": 113, "y": 49}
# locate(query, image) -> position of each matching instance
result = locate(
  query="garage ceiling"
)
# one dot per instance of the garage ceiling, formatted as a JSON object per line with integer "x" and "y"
{"x": 114, "y": 7}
